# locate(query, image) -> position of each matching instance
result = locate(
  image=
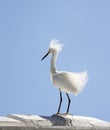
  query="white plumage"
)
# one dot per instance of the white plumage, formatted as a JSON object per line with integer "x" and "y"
{"x": 68, "y": 82}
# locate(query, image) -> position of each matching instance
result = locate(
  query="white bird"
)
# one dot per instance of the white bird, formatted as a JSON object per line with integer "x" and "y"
{"x": 68, "y": 82}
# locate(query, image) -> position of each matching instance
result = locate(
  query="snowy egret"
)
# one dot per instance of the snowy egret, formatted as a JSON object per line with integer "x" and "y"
{"x": 68, "y": 82}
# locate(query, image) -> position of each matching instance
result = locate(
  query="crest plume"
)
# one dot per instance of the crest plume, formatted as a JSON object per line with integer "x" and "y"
{"x": 55, "y": 45}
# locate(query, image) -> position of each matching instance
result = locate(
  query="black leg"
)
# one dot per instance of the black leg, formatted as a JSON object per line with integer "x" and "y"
{"x": 69, "y": 101}
{"x": 60, "y": 102}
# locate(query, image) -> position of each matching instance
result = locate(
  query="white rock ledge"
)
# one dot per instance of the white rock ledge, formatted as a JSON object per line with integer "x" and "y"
{"x": 55, "y": 122}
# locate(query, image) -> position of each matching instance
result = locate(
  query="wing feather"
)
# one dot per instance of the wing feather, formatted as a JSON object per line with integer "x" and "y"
{"x": 70, "y": 82}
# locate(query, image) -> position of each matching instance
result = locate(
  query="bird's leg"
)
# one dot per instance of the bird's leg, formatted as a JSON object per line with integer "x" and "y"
{"x": 60, "y": 102}
{"x": 69, "y": 101}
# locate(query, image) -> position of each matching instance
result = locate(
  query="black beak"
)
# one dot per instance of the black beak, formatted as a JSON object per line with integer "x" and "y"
{"x": 45, "y": 55}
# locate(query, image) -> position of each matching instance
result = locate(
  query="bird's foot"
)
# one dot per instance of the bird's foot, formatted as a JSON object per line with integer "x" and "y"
{"x": 62, "y": 114}
{"x": 58, "y": 114}
{"x": 65, "y": 114}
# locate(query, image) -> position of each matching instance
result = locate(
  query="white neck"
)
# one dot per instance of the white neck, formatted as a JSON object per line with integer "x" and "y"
{"x": 53, "y": 67}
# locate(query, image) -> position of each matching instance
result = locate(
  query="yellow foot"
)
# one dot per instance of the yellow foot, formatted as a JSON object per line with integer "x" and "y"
{"x": 65, "y": 114}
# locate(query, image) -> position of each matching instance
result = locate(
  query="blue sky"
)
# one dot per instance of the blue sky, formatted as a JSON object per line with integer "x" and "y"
{"x": 26, "y": 29}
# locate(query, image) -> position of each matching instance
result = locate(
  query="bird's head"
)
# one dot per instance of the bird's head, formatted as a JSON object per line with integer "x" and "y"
{"x": 55, "y": 47}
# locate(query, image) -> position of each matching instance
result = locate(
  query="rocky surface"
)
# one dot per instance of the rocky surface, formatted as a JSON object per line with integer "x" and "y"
{"x": 54, "y": 122}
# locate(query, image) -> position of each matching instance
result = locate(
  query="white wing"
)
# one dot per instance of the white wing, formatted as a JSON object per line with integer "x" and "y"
{"x": 69, "y": 81}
